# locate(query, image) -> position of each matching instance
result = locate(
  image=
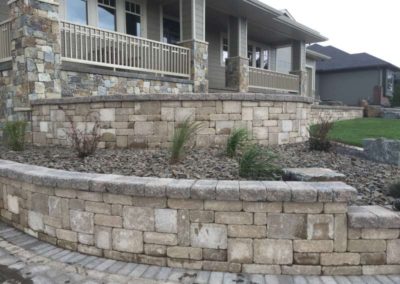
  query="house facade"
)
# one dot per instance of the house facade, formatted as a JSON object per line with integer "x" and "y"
{"x": 96, "y": 50}
{"x": 351, "y": 78}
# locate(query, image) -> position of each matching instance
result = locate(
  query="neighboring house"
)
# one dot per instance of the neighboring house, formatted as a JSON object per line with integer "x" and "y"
{"x": 351, "y": 78}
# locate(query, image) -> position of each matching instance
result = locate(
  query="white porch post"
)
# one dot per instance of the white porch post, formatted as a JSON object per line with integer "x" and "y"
{"x": 237, "y": 65}
{"x": 299, "y": 65}
{"x": 193, "y": 36}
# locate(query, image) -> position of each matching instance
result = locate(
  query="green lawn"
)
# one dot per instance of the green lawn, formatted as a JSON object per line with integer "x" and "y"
{"x": 354, "y": 131}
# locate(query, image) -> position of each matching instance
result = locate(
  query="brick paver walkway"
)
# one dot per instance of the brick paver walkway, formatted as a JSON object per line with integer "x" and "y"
{"x": 24, "y": 259}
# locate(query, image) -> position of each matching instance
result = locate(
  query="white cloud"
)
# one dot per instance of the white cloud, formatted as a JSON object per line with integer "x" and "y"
{"x": 352, "y": 25}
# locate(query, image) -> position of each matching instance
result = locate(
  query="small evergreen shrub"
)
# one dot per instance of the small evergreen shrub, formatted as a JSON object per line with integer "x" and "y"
{"x": 394, "y": 189}
{"x": 237, "y": 139}
{"x": 14, "y": 135}
{"x": 183, "y": 134}
{"x": 84, "y": 141}
{"x": 319, "y": 140}
{"x": 258, "y": 163}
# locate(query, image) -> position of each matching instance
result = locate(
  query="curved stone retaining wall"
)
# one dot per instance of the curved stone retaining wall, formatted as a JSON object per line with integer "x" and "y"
{"x": 150, "y": 120}
{"x": 238, "y": 226}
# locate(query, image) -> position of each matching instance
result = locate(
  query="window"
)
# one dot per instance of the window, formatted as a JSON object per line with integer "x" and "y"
{"x": 107, "y": 15}
{"x": 133, "y": 20}
{"x": 265, "y": 64}
{"x": 250, "y": 54}
{"x": 390, "y": 82}
{"x": 225, "y": 49}
{"x": 172, "y": 31}
{"x": 76, "y": 11}
{"x": 258, "y": 57}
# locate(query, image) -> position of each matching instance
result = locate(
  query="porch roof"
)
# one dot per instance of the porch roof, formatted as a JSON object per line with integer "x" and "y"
{"x": 267, "y": 23}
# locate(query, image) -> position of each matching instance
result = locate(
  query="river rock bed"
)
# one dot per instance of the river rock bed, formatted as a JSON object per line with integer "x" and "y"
{"x": 371, "y": 179}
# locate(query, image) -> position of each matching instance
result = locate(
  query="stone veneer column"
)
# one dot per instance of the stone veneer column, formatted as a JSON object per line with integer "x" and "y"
{"x": 199, "y": 64}
{"x": 299, "y": 66}
{"x": 237, "y": 65}
{"x": 193, "y": 36}
{"x": 35, "y": 50}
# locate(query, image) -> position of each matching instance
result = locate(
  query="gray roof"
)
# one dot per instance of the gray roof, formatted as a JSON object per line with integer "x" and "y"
{"x": 341, "y": 60}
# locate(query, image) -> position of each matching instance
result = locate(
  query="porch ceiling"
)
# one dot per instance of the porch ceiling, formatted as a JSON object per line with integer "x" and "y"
{"x": 266, "y": 24}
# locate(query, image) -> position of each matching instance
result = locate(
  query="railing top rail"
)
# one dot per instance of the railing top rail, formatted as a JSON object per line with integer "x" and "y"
{"x": 126, "y": 35}
{"x": 5, "y": 22}
{"x": 272, "y": 71}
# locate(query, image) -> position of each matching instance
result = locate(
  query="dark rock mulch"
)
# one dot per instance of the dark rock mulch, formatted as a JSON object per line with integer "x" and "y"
{"x": 370, "y": 178}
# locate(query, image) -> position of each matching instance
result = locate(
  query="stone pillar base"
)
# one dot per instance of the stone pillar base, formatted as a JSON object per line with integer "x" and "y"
{"x": 303, "y": 78}
{"x": 237, "y": 74}
{"x": 199, "y": 64}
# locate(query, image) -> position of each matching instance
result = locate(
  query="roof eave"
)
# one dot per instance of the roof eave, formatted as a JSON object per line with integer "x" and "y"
{"x": 316, "y": 55}
{"x": 312, "y": 35}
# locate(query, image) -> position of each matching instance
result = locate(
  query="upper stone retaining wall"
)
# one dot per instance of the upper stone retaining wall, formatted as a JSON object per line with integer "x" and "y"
{"x": 78, "y": 80}
{"x": 237, "y": 226}
{"x": 335, "y": 113}
{"x": 150, "y": 120}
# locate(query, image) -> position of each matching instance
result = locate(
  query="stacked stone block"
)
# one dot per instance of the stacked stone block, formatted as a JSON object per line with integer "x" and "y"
{"x": 97, "y": 82}
{"x": 149, "y": 121}
{"x": 334, "y": 113}
{"x": 237, "y": 226}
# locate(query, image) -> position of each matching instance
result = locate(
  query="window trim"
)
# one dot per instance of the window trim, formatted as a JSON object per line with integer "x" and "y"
{"x": 92, "y": 14}
{"x": 263, "y": 47}
{"x": 221, "y": 47}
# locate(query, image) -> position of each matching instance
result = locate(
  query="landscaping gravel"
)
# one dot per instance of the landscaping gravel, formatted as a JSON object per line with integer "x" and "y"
{"x": 370, "y": 178}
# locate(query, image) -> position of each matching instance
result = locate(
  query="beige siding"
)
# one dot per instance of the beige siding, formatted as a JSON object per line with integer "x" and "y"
{"x": 153, "y": 21}
{"x": 186, "y": 19}
{"x": 216, "y": 72}
{"x": 4, "y": 11}
{"x": 284, "y": 59}
{"x": 243, "y": 37}
{"x": 200, "y": 19}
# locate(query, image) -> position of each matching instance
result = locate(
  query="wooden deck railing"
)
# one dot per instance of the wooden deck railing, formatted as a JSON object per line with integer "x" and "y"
{"x": 89, "y": 45}
{"x": 5, "y": 41}
{"x": 271, "y": 80}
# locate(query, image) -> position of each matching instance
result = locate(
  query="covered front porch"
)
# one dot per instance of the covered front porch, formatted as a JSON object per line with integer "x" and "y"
{"x": 219, "y": 45}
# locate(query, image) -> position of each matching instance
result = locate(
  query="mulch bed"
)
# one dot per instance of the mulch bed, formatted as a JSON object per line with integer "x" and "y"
{"x": 370, "y": 178}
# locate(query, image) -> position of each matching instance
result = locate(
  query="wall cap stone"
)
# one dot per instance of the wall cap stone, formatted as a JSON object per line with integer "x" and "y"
{"x": 181, "y": 97}
{"x": 373, "y": 217}
{"x": 200, "y": 190}
{"x": 344, "y": 108}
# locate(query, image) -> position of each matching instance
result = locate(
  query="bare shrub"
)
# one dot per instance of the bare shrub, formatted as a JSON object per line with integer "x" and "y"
{"x": 84, "y": 141}
{"x": 319, "y": 134}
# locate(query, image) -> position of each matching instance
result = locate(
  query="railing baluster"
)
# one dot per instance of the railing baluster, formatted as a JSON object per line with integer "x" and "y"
{"x": 95, "y": 46}
{"x": 267, "y": 79}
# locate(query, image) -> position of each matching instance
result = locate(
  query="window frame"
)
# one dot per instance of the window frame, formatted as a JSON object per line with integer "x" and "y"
{"x": 92, "y": 14}
{"x": 262, "y": 47}
{"x": 110, "y": 7}
{"x": 221, "y": 48}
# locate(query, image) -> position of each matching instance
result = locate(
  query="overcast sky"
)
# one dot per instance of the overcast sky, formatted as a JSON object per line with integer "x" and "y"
{"x": 352, "y": 25}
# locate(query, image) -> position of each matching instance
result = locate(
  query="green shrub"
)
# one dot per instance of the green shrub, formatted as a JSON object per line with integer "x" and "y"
{"x": 14, "y": 135}
{"x": 237, "y": 139}
{"x": 182, "y": 136}
{"x": 258, "y": 163}
{"x": 319, "y": 140}
{"x": 394, "y": 189}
